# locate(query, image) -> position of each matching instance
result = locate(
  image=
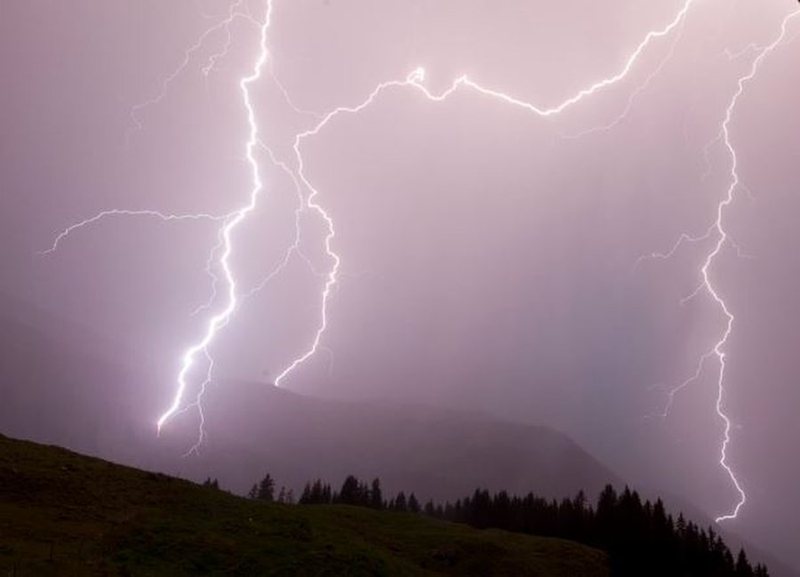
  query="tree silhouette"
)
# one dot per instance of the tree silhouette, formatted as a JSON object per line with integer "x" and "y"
{"x": 316, "y": 493}
{"x": 743, "y": 568}
{"x": 639, "y": 536}
{"x": 376, "y": 495}
{"x": 400, "y": 502}
{"x": 266, "y": 489}
{"x": 413, "y": 504}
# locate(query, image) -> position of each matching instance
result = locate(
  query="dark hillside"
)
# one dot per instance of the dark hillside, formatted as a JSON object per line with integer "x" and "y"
{"x": 65, "y": 514}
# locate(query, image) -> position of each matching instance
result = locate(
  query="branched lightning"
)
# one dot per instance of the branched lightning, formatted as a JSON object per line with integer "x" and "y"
{"x": 198, "y": 404}
{"x": 288, "y": 98}
{"x": 294, "y": 247}
{"x": 233, "y": 14}
{"x": 675, "y": 390}
{"x": 723, "y": 238}
{"x": 166, "y": 217}
{"x": 219, "y": 265}
{"x": 415, "y": 80}
{"x": 638, "y": 91}
{"x": 221, "y": 318}
{"x": 684, "y": 238}
{"x": 210, "y": 261}
{"x": 311, "y": 203}
{"x": 231, "y": 221}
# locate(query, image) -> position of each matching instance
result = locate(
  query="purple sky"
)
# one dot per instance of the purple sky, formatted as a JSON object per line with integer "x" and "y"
{"x": 488, "y": 257}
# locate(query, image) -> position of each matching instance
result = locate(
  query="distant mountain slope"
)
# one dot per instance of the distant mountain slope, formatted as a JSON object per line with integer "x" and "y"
{"x": 47, "y": 365}
{"x": 50, "y": 365}
{"x": 436, "y": 452}
{"x": 62, "y": 383}
{"x": 65, "y": 514}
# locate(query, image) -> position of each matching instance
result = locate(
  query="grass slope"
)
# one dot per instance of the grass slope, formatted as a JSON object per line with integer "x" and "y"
{"x": 62, "y": 513}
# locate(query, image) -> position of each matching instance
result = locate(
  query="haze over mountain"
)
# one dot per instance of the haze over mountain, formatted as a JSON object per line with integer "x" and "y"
{"x": 436, "y": 452}
{"x": 493, "y": 261}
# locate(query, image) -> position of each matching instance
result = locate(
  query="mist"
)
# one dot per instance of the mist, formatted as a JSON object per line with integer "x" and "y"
{"x": 491, "y": 260}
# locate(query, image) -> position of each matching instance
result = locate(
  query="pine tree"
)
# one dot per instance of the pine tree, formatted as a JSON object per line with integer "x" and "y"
{"x": 349, "y": 493}
{"x": 680, "y": 525}
{"x": 305, "y": 496}
{"x": 376, "y": 495}
{"x": 266, "y": 489}
{"x": 413, "y": 504}
{"x": 743, "y": 568}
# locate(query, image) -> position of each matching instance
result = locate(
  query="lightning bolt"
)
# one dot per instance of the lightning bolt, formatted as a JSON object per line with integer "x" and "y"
{"x": 212, "y": 275}
{"x": 723, "y": 238}
{"x": 674, "y": 391}
{"x": 198, "y": 404}
{"x": 236, "y": 10}
{"x": 308, "y": 201}
{"x": 288, "y": 98}
{"x": 232, "y": 220}
{"x": 638, "y": 91}
{"x": 294, "y": 248}
{"x": 166, "y": 217}
{"x": 221, "y": 318}
{"x": 415, "y": 80}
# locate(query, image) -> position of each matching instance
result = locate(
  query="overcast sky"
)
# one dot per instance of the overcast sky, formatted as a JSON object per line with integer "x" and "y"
{"x": 490, "y": 258}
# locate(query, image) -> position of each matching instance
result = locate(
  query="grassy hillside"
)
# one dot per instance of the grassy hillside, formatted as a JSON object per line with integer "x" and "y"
{"x": 62, "y": 513}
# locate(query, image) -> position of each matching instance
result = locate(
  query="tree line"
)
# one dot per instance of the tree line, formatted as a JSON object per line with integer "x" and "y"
{"x": 640, "y": 537}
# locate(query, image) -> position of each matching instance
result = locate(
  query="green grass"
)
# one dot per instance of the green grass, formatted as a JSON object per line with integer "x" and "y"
{"x": 65, "y": 514}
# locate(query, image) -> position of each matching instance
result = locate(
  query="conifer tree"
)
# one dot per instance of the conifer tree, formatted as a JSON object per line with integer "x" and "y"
{"x": 413, "y": 504}
{"x": 266, "y": 489}
{"x": 376, "y": 495}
